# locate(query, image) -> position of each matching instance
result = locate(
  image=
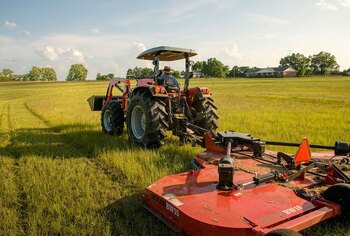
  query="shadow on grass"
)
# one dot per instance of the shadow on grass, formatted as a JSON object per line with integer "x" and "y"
{"x": 67, "y": 141}
{"x": 335, "y": 226}
{"x": 74, "y": 141}
{"x": 127, "y": 216}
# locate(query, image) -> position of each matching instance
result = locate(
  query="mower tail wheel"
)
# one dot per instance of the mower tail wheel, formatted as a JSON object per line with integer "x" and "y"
{"x": 283, "y": 232}
{"x": 205, "y": 114}
{"x": 340, "y": 194}
{"x": 147, "y": 120}
{"x": 112, "y": 118}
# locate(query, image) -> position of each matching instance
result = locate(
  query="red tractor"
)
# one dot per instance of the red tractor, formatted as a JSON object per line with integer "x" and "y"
{"x": 158, "y": 104}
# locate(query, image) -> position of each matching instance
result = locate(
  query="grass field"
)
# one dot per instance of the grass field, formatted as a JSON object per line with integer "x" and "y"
{"x": 59, "y": 174}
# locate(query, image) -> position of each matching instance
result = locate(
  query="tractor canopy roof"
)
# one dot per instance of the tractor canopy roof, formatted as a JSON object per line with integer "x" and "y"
{"x": 167, "y": 53}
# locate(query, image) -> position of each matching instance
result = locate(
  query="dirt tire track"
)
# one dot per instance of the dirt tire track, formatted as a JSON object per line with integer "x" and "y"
{"x": 9, "y": 122}
{"x": 38, "y": 116}
{"x": 2, "y": 114}
{"x": 22, "y": 197}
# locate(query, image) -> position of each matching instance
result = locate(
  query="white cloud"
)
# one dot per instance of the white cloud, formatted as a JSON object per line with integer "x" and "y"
{"x": 326, "y": 6}
{"x": 4, "y": 40}
{"x": 175, "y": 11}
{"x": 189, "y": 7}
{"x": 63, "y": 50}
{"x": 95, "y": 31}
{"x": 9, "y": 25}
{"x": 262, "y": 19}
{"x": 51, "y": 53}
{"x": 232, "y": 51}
{"x": 344, "y": 3}
{"x": 27, "y": 33}
{"x": 10, "y": 59}
{"x": 138, "y": 47}
{"x": 77, "y": 57}
{"x": 229, "y": 52}
{"x": 61, "y": 54}
{"x": 270, "y": 36}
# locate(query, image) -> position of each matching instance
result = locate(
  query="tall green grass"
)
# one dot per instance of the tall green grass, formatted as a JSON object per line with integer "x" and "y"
{"x": 61, "y": 175}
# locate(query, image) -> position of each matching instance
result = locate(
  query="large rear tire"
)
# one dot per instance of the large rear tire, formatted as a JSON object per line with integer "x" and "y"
{"x": 147, "y": 120}
{"x": 112, "y": 118}
{"x": 340, "y": 194}
{"x": 205, "y": 114}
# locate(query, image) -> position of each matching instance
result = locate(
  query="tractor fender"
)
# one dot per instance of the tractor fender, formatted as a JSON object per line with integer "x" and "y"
{"x": 151, "y": 89}
{"x": 197, "y": 93}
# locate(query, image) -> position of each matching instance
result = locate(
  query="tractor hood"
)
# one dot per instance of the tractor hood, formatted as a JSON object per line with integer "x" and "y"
{"x": 167, "y": 53}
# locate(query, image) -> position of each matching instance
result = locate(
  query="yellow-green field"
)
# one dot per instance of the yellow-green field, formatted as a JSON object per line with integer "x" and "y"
{"x": 59, "y": 174}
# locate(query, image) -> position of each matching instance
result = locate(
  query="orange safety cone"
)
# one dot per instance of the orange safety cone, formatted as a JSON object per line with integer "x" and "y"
{"x": 304, "y": 154}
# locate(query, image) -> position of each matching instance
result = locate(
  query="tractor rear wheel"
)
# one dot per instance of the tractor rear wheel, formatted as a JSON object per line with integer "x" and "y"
{"x": 340, "y": 194}
{"x": 112, "y": 118}
{"x": 147, "y": 120}
{"x": 205, "y": 114}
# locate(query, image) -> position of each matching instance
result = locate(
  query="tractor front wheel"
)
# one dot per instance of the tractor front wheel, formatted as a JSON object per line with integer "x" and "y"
{"x": 147, "y": 120}
{"x": 205, "y": 114}
{"x": 112, "y": 118}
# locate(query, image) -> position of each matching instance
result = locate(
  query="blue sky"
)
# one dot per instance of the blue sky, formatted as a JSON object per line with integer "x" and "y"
{"x": 106, "y": 36}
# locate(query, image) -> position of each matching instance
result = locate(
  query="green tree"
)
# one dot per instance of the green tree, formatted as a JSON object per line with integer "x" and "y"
{"x": 298, "y": 61}
{"x": 147, "y": 72}
{"x": 238, "y": 71}
{"x": 346, "y": 72}
{"x": 35, "y": 74}
{"x": 48, "y": 74}
{"x": 129, "y": 74}
{"x": 7, "y": 75}
{"x": 197, "y": 66}
{"x": 18, "y": 77}
{"x": 215, "y": 68}
{"x": 323, "y": 63}
{"x": 77, "y": 72}
{"x": 104, "y": 77}
{"x": 139, "y": 72}
{"x": 177, "y": 74}
{"x": 42, "y": 74}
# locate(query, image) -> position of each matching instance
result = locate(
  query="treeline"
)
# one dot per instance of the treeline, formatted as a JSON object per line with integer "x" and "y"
{"x": 77, "y": 72}
{"x": 35, "y": 74}
{"x": 322, "y": 63}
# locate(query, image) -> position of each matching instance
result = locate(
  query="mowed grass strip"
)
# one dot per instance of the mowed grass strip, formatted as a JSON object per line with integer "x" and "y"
{"x": 70, "y": 178}
{"x": 10, "y": 217}
{"x": 65, "y": 196}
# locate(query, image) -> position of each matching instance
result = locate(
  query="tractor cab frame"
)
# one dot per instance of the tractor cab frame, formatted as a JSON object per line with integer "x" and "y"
{"x": 165, "y": 53}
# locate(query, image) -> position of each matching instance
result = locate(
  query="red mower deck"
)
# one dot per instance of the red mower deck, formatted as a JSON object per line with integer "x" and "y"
{"x": 190, "y": 202}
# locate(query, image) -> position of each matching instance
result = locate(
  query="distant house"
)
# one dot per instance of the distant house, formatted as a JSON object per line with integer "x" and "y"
{"x": 198, "y": 74}
{"x": 271, "y": 72}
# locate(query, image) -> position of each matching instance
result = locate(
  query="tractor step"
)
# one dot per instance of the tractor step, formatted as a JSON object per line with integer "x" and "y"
{"x": 96, "y": 102}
